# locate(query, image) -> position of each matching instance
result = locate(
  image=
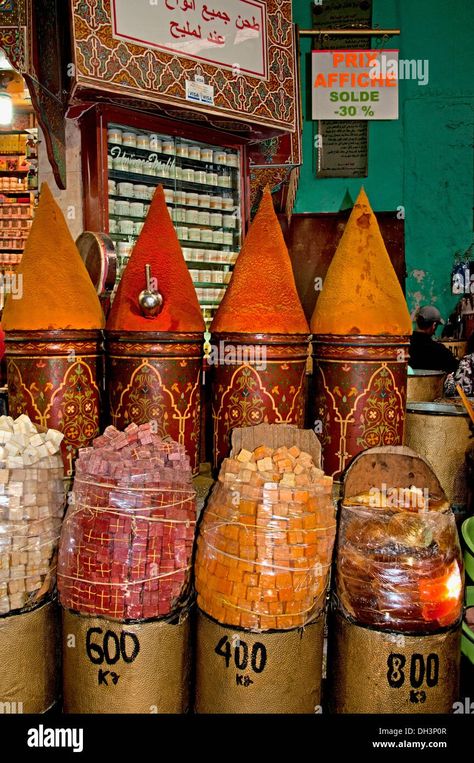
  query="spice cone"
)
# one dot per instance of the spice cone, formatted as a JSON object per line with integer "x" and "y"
{"x": 361, "y": 293}
{"x": 262, "y": 296}
{"x": 158, "y": 246}
{"x": 55, "y": 290}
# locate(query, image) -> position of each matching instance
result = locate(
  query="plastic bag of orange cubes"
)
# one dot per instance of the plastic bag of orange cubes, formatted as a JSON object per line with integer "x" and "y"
{"x": 266, "y": 540}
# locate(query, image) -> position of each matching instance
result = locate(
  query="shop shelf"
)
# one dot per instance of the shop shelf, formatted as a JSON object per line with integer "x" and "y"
{"x": 172, "y": 183}
{"x": 182, "y": 161}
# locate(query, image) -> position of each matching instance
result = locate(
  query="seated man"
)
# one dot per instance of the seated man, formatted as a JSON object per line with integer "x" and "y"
{"x": 425, "y": 352}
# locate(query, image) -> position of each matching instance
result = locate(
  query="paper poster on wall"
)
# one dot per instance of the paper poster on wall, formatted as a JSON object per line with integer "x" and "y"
{"x": 229, "y": 33}
{"x": 355, "y": 84}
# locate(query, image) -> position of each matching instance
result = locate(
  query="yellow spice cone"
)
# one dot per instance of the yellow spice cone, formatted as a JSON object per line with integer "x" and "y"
{"x": 361, "y": 292}
{"x": 56, "y": 290}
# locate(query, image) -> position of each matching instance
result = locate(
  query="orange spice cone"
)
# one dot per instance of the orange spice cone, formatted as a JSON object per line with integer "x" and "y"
{"x": 154, "y": 361}
{"x": 52, "y": 321}
{"x": 361, "y": 328}
{"x": 259, "y": 337}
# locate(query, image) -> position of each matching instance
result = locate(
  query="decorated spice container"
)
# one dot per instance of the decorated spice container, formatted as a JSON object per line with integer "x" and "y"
{"x": 154, "y": 337}
{"x": 259, "y": 338}
{"x": 361, "y": 328}
{"x": 53, "y": 321}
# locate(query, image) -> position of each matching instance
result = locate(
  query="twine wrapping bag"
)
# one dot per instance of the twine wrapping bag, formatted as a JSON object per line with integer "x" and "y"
{"x": 125, "y": 555}
{"x": 399, "y": 583}
{"x": 31, "y": 508}
{"x": 262, "y": 565}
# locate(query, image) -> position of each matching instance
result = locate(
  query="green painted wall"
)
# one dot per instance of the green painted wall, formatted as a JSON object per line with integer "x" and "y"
{"x": 423, "y": 161}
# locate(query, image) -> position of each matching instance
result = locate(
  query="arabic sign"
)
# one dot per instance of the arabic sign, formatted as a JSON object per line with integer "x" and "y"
{"x": 355, "y": 84}
{"x": 230, "y": 33}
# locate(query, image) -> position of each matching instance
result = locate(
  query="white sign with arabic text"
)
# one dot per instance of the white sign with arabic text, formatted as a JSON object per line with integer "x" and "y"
{"x": 229, "y": 33}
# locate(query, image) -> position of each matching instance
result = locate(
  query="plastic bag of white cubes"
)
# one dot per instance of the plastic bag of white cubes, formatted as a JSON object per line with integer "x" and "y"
{"x": 32, "y": 504}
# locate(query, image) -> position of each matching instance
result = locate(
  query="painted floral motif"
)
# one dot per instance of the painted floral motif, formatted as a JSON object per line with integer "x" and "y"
{"x": 244, "y": 396}
{"x": 166, "y": 392}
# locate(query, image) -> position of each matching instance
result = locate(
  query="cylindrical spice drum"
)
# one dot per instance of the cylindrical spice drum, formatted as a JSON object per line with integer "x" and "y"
{"x": 374, "y": 671}
{"x": 257, "y": 379}
{"x": 56, "y": 377}
{"x": 425, "y": 385}
{"x": 29, "y": 655}
{"x": 157, "y": 377}
{"x": 113, "y": 667}
{"x": 240, "y": 671}
{"x": 359, "y": 388}
{"x": 440, "y": 432}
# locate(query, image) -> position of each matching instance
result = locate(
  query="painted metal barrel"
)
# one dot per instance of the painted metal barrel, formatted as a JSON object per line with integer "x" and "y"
{"x": 358, "y": 395}
{"x": 256, "y": 379}
{"x": 425, "y": 385}
{"x": 440, "y": 432}
{"x": 56, "y": 378}
{"x": 157, "y": 377}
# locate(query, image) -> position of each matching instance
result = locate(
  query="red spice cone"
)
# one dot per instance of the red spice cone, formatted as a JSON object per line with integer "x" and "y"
{"x": 158, "y": 246}
{"x": 262, "y": 296}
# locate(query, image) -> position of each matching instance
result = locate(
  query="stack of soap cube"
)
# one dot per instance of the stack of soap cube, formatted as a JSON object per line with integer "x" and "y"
{"x": 265, "y": 543}
{"x": 127, "y": 538}
{"x": 31, "y": 509}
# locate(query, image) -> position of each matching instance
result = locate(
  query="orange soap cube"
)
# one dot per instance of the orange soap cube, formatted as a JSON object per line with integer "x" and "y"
{"x": 253, "y": 594}
{"x": 301, "y": 480}
{"x": 262, "y": 452}
{"x": 281, "y": 553}
{"x": 249, "y": 620}
{"x": 231, "y": 531}
{"x": 231, "y": 547}
{"x": 285, "y": 594}
{"x": 221, "y": 571}
{"x": 300, "y": 579}
{"x": 311, "y": 536}
{"x": 231, "y": 616}
{"x": 247, "y": 519}
{"x": 294, "y": 451}
{"x": 301, "y": 496}
{"x": 296, "y": 536}
{"x": 300, "y": 594}
{"x": 245, "y": 566}
{"x": 293, "y": 607}
{"x": 248, "y": 552}
{"x": 260, "y": 607}
{"x": 297, "y": 552}
{"x": 267, "y": 622}
{"x": 269, "y": 594}
{"x": 283, "y": 580}
{"x": 311, "y": 550}
{"x": 248, "y": 507}
{"x": 240, "y": 589}
{"x": 267, "y": 580}
{"x": 275, "y": 607}
{"x": 211, "y": 566}
{"x": 284, "y": 622}
{"x": 285, "y": 495}
{"x": 295, "y": 523}
{"x": 309, "y": 521}
{"x": 223, "y": 586}
{"x": 281, "y": 510}
{"x": 250, "y": 579}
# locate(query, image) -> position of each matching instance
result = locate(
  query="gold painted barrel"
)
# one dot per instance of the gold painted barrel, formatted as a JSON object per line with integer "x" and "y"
{"x": 256, "y": 379}
{"x": 156, "y": 376}
{"x": 56, "y": 377}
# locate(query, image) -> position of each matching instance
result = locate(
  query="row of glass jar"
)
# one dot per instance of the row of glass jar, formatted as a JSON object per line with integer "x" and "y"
{"x": 145, "y": 193}
{"x": 209, "y": 295}
{"x": 195, "y": 254}
{"x": 155, "y": 168}
{"x": 210, "y": 276}
{"x": 191, "y": 254}
{"x": 205, "y": 235}
{"x": 166, "y": 145}
{"x": 202, "y": 217}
